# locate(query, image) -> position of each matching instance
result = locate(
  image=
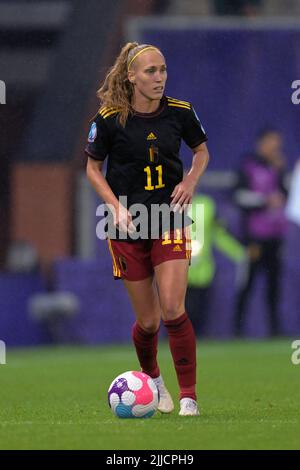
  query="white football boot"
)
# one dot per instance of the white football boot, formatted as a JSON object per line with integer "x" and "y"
{"x": 165, "y": 404}
{"x": 188, "y": 407}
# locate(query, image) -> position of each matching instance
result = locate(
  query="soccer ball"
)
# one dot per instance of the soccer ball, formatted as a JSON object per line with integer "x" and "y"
{"x": 133, "y": 395}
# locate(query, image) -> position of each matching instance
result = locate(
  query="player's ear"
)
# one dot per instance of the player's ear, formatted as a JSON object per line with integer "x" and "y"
{"x": 131, "y": 77}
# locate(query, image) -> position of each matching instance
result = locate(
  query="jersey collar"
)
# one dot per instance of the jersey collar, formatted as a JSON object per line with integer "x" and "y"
{"x": 159, "y": 110}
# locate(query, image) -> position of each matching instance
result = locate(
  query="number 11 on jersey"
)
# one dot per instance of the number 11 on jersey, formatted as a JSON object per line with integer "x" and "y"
{"x": 160, "y": 184}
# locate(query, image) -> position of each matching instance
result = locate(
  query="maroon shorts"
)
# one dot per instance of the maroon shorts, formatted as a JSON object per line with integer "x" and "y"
{"x": 135, "y": 261}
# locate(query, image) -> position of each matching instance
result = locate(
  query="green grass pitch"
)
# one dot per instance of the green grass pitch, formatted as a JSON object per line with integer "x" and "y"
{"x": 57, "y": 399}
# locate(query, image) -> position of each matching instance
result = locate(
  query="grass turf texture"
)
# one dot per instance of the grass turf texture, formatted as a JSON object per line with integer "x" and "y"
{"x": 57, "y": 399}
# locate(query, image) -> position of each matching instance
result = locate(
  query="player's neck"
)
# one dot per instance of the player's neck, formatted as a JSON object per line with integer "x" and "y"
{"x": 141, "y": 104}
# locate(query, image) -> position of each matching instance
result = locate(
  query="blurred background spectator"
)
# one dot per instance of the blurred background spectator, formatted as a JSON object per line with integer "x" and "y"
{"x": 210, "y": 234}
{"x": 261, "y": 195}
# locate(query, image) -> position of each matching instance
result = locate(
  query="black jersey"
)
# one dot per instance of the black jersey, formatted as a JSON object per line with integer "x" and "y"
{"x": 143, "y": 157}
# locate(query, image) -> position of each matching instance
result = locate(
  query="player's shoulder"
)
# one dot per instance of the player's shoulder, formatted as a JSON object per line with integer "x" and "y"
{"x": 106, "y": 113}
{"x": 178, "y": 105}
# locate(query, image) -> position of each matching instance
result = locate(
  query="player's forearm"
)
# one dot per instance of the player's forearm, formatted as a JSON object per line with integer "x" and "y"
{"x": 101, "y": 186}
{"x": 199, "y": 165}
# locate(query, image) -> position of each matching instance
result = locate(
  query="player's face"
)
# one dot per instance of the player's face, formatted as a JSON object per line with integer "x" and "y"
{"x": 149, "y": 75}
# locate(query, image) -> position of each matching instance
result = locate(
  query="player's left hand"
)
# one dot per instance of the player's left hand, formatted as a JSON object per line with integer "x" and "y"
{"x": 183, "y": 194}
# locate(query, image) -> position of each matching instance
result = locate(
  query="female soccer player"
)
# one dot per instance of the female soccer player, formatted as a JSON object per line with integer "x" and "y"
{"x": 140, "y": 130}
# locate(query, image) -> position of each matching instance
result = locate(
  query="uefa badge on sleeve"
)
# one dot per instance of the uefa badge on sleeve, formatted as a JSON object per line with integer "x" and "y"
{"x": 93, "y": 133}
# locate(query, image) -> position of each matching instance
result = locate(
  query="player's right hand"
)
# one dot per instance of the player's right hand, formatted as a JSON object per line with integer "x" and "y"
{"x": 123, "y": 220}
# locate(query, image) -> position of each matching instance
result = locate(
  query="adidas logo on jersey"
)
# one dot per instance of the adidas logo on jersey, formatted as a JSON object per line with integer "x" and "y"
{"x": 177, "y": 248}
{"x": 151, "y": 136}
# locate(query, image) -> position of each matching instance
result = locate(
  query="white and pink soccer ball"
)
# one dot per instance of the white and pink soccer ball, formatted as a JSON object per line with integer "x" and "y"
{"x": 133, "y": 395}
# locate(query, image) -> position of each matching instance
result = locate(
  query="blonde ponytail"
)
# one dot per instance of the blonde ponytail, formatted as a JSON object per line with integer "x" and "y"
{"x": 116, "y": 90}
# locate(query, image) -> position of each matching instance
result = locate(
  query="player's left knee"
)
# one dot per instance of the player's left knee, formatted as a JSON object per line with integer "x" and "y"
{"x": 172, "y": 309}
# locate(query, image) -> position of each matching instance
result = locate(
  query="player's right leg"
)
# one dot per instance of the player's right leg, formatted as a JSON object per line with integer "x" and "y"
{"x": 144, "y": 298}
{"x": 132, "y": 263}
